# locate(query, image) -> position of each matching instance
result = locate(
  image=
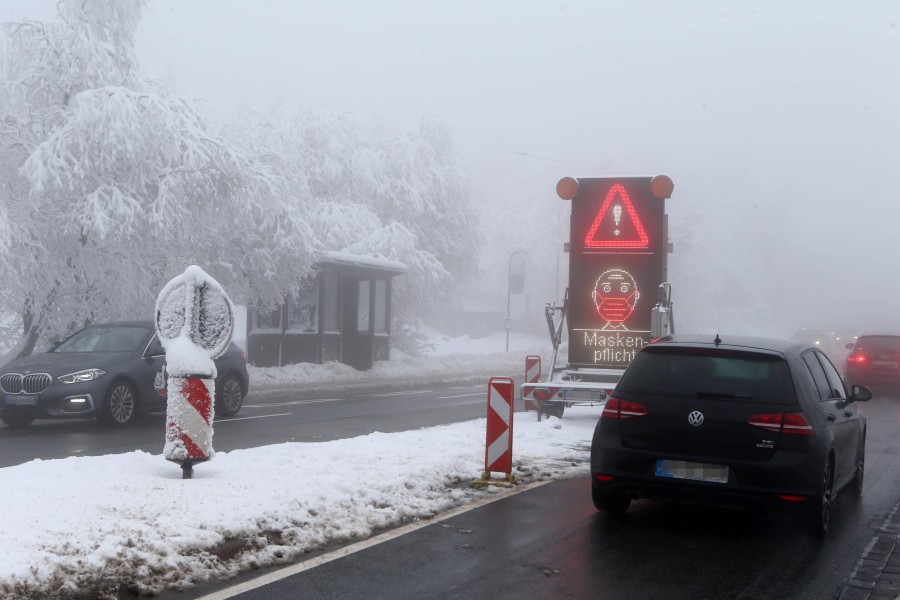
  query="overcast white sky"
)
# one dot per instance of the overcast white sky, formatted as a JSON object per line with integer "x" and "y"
{"x": 777, "y": 121}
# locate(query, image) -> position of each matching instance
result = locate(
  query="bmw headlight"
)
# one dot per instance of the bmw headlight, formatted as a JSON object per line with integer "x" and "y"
{"x": 82, "y": 376}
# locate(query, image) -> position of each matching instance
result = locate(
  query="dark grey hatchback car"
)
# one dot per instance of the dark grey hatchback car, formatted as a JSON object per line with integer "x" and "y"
{"x": 731, "y": 421}
{"x": 111, "y": 371}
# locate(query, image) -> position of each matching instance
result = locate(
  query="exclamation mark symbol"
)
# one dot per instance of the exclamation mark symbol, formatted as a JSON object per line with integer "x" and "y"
{"x": 617, "y": 215}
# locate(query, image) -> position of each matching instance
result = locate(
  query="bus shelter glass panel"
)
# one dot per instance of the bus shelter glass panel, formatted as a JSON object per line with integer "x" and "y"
{"x": 380, "y": 306}
{"x": 268, "y": 320}
{"x": 330, "y": 303}
{"x": 362, "y": 307}
{"x": 304, "y": 310}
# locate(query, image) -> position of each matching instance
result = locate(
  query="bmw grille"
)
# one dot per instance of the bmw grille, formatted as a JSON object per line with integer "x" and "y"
{"x": 33, "y": 383}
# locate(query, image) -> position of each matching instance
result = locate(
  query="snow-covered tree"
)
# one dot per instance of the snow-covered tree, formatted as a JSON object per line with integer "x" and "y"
{"x": 405, "y": 199}
{"x": 110, "y": 187}
{"x": 418, "y": 181}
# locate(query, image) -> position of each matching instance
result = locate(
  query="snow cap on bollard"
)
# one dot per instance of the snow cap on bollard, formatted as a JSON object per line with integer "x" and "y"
{"x": 193, "y": 307}
{"x": 194, "y": 322}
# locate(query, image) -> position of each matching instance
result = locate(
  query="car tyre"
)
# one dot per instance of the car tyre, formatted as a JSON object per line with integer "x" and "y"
{"x": 856, "y": 486}
{"x": 17, "y": 421}
{"x": 820, "y": 510}
{"x": 120, "y": 407}
{"x": 610, "y": 502}
{"x": 230, "y": 396}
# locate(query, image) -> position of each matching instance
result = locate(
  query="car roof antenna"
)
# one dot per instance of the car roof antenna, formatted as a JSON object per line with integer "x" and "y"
{"x": 717, "y": 341}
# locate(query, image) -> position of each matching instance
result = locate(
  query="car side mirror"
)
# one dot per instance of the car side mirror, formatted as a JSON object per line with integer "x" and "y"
{"x": 860, "y": 393}
{"x": 849, "y": 346}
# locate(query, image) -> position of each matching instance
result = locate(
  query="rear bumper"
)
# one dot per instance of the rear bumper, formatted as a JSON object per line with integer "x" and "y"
{"x": 786, "y": 480}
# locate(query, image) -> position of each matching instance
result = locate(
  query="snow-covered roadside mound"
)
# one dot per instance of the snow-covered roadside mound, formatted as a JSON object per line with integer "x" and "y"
{"x": 95, "y": 527}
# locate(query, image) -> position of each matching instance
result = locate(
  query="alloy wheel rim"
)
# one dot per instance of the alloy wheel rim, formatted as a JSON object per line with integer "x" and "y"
{"x": 826, "y": 496}
{"x": 861, "y": 468}
{"x": 231, "y": 394}
{"x": 121, "y": 404}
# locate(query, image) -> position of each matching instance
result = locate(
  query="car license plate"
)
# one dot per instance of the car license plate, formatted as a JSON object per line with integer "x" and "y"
{"x": 21, "y": 400}
{"x": 682, "y": 469}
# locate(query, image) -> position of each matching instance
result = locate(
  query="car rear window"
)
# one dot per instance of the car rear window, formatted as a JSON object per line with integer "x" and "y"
{"x": 715, "y": 374}
{"x": 878, "y": 343}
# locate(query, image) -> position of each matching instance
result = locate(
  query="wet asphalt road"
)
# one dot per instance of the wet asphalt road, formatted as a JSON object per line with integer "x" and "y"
{"x": 545, "y": 542}
{"x": 549, "y": 542}
{"x": 269, "y": 416}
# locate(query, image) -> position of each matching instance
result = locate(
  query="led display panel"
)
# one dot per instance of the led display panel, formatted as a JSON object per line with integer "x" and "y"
{"x": 616, "y": 265}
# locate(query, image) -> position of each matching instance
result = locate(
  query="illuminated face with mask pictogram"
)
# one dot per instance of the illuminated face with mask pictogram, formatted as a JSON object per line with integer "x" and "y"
{"x": 615, "y": 296}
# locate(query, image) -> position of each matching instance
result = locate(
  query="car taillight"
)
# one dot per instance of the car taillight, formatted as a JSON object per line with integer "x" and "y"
{"x": 788, "y": 423}
{"x": 857, "y": 358}
{"x": 791, "y": 497}
{"x": 622, "y": 409}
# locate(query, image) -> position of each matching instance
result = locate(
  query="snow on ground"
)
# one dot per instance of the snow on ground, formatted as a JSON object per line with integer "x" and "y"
{"x": 108, "y": 524}
{"x": 451, "y": 359}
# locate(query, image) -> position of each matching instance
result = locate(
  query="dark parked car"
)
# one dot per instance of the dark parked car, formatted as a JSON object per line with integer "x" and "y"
{"x": 112, "y": 371}
{"x": 873, "y": 361}
{"x": 737, "y": 421}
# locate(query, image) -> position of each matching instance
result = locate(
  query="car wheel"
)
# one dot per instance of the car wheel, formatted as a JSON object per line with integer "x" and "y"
{"x": 610, "y": 502}
{"x": 856, "y": 486}
{"x": 120, "y": 407}
{"x": 17, "y": 421}
{"x": 820, "y": 510}
{"x": 230, "y": 397}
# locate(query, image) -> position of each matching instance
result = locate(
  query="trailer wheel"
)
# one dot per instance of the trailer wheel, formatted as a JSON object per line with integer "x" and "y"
{"x": 553, "y": 409}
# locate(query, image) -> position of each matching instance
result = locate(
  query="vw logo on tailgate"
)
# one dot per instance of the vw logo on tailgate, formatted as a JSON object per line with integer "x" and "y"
{"x": 695, "y": 418}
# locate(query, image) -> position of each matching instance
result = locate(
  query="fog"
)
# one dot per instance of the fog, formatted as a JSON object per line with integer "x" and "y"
{"x": 778, "y": 123}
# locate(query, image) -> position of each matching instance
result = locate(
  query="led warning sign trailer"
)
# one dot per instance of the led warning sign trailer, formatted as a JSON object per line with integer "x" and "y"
{"x": 616, "y": 265}
{"x": 618, "y": 298}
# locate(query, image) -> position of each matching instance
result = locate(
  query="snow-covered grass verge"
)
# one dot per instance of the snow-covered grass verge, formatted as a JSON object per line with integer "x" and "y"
{"x": 97, "y": 527}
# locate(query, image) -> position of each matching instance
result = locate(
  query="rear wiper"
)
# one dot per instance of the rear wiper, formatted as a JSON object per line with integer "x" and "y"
{"x": 721, "y": 395}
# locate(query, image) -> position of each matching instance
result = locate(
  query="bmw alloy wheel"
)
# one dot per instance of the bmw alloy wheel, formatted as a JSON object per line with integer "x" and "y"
{"x": 120, "y": 407}
{"x": 231, "y": 397}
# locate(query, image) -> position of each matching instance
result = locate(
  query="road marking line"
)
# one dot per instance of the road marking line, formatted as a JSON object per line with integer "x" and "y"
{"x": 398, "y": 393}
{"x": 256, "y": 417}
{"x": 462, "y": 396}
{"x": 294, "y": 402}
{"x": 363, "y": 545}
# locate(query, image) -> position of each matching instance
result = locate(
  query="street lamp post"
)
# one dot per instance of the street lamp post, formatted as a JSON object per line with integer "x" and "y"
{"x": 519, "y": 287}
{"x": 558, "y": 258}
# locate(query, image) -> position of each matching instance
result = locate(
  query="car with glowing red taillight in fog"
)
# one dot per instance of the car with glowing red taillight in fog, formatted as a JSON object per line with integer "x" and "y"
{"x": 733, "y": 421}
{"x": 873, "y": 362}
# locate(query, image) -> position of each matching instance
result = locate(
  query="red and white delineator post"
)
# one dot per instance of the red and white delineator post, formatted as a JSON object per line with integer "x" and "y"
{"x": 194, "y": 322}
{"x": 532, "y": 375}
{"x": 498, "y": 446}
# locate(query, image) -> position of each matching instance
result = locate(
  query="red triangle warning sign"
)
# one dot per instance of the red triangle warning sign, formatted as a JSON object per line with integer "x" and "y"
{"x": 617, "y": 224}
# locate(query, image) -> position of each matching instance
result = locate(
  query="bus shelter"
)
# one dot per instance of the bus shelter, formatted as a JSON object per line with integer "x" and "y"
{"x": 342, "y": 313}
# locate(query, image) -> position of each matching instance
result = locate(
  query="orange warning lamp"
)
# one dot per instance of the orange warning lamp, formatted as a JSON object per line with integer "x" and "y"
{"x": 660, "y": 186}
{"x": 567, "y": 188}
